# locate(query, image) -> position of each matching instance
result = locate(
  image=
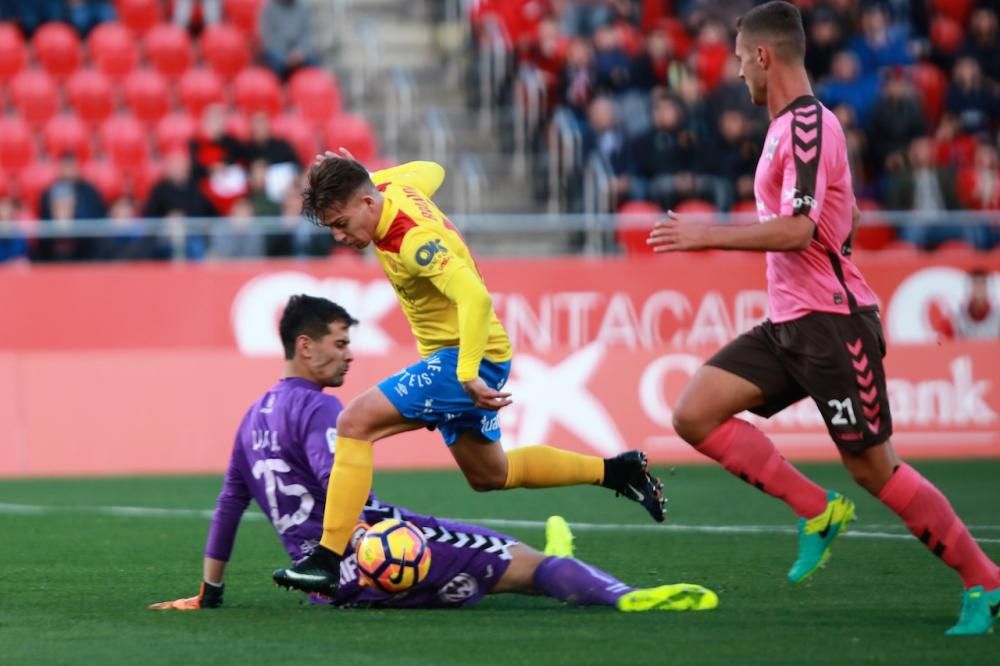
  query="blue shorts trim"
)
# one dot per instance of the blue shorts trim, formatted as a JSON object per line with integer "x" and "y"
{"x": 429, "y": 391}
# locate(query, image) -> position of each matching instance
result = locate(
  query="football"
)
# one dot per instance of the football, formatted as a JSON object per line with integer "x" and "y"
{"x": 393, "y": 556}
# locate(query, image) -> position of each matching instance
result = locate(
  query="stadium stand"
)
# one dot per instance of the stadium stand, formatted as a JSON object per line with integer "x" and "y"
{"x": 929, "y": 68}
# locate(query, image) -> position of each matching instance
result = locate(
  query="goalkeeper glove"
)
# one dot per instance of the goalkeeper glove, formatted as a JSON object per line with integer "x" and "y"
{"x": 209, "y": 596}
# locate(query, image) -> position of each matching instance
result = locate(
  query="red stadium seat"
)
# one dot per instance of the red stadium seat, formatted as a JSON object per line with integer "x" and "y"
{"x": 144, "y": 179}
{"x": 873, "y": 236}
{"x": 123, "y": 139}
{"x": 695, "y": 207}
{"x": 169, "y": 49}
{"x": 35, "y": 96}
{"x": 57, "y": 48}
{"x": 635, "y": 220}
{"x": 112, "y": 49}
{"x": 139, "y": 15}
{"x": 174, "y": 131}
{"x": 90, "y": 92}
{"x": 17, "y": 145}
{"x": 200, "y": 87}
{"x": 257, "y": 89}
{"x": 932, "y": 86}
{"x": 314, "y": 92}
{"x": 744, "y": 207}
{"x": 13, "y": 52}
{"x": 146, "y": 94}
{"x": 243, "y": 14}
{"x": 354, "y": 133}
{"x": 297, "y": 131}
{"x": 34, "y": 179}
{"x": 956, "y": 10}
{"x": 106, "y": 177}
{"x": 66, "y": 133}
{"x": 946, "y": 34}
{"x": 224, "y": 49}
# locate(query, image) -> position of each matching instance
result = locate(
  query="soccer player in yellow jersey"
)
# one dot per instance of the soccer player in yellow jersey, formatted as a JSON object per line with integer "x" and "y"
{"x": 457, "y": 386}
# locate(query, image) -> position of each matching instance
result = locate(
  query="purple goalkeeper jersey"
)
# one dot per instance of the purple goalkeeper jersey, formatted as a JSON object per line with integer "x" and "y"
{"x": 282, "y": 458}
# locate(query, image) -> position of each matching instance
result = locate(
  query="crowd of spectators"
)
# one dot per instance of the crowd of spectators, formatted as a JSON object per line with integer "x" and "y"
{"x": 654, "y": 91}
{"x": 229, "y": 166}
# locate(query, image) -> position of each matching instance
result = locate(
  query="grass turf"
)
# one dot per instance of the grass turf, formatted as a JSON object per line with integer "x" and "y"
{"x": 75, "y": 581}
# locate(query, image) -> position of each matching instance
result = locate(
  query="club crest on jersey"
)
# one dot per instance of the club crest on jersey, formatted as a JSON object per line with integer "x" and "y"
{"x": 426, "y": 252}
{"x": 461, "y": 587}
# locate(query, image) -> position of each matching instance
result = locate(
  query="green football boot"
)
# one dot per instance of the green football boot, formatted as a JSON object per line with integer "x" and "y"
{"x": 979, "y": 611}
{"x": 816, "y": 535}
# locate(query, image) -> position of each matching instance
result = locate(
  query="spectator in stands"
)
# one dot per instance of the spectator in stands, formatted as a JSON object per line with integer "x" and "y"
{"x": 87, "y": 202}
{"x": 953, "y": 146}
{"x": 857, "y": 144}
{"x": 897, "y": 119}
{"x": 663, "y": 159}
{"x": 979, "y": 183}
{"x": 880, "y": 44}
{"x": 213, "y": 145}
{"x": 130, "y": 240}
{"x": 235, "y": 236}
{"x": 825, "y": 41}
{"x": 582, "y": 18}
{"x": 651, "y": 67}
{"x": 920, "y": 185}
{"x": 970, "y": 98}
{"x": 847, "y": 84}
{"x": 730, "y": 160}
{"x": 712, "y": 50}
{"x": 177, "y": 193}
{"x": 83, "y": 15}
{"x": 211, "y": 12}
{"x": 612, "y": 66}
{"x": 547, "y": 52}
{"x": 262, "y": 145}
{"x": 13, "y": 245}
{"x": 56, "y": 242}
{"x": 698, "y": 118}
{"x": 577, "y": 80}
{"x": 286, "y": 33}
{"x": 982, "y": 42}
{"x": 978, "y": 318}
{"x": 605, "y": 140}
{"x": 731, "y": 93}
{"x": 261, "y": 200}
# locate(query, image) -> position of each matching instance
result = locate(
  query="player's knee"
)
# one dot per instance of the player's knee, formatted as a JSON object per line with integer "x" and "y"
{"x": 689, "y": 423}
{"x": 486, "y": 480}
{"x": 351, "y": 424}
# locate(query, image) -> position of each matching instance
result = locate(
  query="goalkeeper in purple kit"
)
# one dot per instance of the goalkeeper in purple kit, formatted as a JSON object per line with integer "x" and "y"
{"x": 282, "y": 456}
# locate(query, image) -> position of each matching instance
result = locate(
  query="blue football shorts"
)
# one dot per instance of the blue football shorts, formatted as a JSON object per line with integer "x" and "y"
{"x": 429, "y": 391}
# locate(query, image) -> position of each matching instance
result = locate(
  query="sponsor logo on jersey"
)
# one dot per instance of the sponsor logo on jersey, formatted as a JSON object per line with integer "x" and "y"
{"x": 331, "y": 439}
{"x": 425, "y": 253}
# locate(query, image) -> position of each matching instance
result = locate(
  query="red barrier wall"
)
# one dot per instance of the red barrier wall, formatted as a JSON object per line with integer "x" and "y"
{"x": 148, "y": 368}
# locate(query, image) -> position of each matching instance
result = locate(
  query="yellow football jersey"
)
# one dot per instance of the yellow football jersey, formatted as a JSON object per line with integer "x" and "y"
{"x": 435, "y": 277}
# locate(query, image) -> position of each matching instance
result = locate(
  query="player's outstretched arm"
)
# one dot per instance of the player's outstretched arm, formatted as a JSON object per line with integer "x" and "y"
{"x": 782, "y": 234}
{"x": 209, "y": 595}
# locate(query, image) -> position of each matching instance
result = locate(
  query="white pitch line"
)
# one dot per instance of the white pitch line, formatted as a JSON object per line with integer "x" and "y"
{"x": 154, "y": 512}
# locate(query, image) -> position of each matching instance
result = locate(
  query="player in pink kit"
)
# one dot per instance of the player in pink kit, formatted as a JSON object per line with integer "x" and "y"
{"x": 823, "y": 338}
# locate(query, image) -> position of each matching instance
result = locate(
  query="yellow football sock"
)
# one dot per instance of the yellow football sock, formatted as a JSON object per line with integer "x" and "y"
{"x": 350, "y": 483}
{"x": 548, "y": 467}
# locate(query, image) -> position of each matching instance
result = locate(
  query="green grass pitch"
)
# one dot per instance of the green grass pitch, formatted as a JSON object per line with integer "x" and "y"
{"x": 75, "y": 580}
